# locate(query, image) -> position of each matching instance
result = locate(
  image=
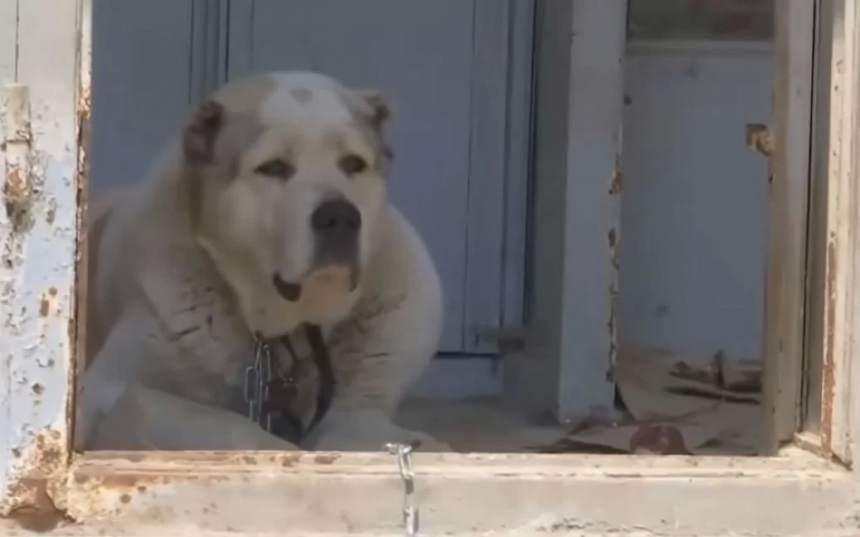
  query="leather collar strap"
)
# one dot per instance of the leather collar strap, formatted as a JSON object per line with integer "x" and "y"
{"x": 322, "y": 359}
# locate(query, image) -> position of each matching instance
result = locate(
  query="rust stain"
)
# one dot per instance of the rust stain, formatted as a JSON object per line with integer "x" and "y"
{"x": 111, "y": 482}
{"x": 758, "y": 139}
{"x": 138, "y": 482}
{"x": 290, "y": 460}
{"x": 77, "y": 329}
{"x": 616, "y": 185}
{"x": 326, "y": 459}
{"x": 84, "y": 125}
{"x": 829, "y": 339}
{"x": 38, "y": 513}
{"x": 16, "y": 197}
{"x": 35, "y": 501}
{"x": 612, "y": 322}
{"x": 48, "y": 302}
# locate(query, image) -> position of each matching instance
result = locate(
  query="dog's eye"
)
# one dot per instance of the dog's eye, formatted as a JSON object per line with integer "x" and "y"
{"x": 275, "y": 168}
{"x": 352, "y": 164}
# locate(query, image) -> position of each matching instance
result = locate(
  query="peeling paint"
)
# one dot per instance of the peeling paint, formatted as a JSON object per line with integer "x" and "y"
{"x": 616, "y": 185}
{"x": 37, "y": 253}
{"x": 36, "y": 501}
{"x": 48, "y": 303}
{"x": 17, "y": 141}
{"x": 759, "y": 139}
{"x": 77, "y": 330}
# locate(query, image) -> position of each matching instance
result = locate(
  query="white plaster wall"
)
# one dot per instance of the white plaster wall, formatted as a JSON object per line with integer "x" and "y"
{"x": 693, "y": 205}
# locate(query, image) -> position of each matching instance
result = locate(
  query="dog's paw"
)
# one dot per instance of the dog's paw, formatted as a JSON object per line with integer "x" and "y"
{"x": 370, "y": 432}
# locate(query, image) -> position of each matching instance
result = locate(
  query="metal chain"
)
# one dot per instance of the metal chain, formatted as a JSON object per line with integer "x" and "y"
{"x": 257, "y": 377}
{"x": 404, "y": 463}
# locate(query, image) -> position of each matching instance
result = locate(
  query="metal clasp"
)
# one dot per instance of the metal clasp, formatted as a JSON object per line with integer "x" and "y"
{"x": 404, "y": 463}
{"x": 257, "y": 379}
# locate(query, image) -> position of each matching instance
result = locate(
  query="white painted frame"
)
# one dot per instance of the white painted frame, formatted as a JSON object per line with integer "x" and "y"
{"x": 787, "y": 212}
{"x": 498, "y": 187}
{"x": 45, "y": 487}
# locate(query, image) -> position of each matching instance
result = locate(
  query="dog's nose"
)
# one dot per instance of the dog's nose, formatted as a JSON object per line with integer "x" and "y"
{"x": 336, "y": 216}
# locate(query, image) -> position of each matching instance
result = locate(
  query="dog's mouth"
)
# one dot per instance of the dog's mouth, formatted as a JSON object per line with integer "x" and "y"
{"x": 330, "y": 280}
{"x": 290, "y": 292}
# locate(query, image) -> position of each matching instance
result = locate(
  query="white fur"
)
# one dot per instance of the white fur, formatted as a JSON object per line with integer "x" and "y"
{"x": 166, "y": 296}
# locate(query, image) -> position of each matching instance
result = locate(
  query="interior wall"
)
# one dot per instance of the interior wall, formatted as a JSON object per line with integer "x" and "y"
{"x": 693, "y": 205}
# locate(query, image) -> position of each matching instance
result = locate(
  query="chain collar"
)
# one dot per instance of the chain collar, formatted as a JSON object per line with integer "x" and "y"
{"x": 271, "y": 393}
{"x": 257, "y": 377}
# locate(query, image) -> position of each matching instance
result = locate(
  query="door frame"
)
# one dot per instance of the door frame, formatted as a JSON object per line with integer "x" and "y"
{"x": 569, "y": 348}
{"x": 209, "y": 30}
{"x": 789, "y": 147}
{"x": 566, "y": 367}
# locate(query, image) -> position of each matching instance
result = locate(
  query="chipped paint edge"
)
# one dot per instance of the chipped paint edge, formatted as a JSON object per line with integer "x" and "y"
{"x": 37, "y": 302}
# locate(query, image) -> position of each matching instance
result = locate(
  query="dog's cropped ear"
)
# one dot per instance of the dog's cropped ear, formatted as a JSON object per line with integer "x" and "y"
{"x": 200, "y": 132}
{"x": 378, "y": 105}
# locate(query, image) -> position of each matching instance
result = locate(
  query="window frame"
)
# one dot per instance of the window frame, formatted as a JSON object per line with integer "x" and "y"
{"x": 789, "y": 179}
{"x": 44, "y": 486}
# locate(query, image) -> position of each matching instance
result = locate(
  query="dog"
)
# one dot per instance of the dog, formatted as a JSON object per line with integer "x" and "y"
{"x": 267, "y": 215}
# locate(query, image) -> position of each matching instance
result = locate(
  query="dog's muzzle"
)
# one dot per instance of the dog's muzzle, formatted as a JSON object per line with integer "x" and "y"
{"x": 336, "y": 227}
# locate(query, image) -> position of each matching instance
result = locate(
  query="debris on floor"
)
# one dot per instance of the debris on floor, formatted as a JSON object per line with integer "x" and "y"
{"x": 676, "y": 405}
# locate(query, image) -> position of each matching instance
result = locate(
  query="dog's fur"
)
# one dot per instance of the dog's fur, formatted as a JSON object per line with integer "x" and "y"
{"x": 184, "y": 275}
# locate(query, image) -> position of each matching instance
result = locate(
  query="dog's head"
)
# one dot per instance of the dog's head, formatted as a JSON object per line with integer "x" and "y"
{"x": 286, "y": 177}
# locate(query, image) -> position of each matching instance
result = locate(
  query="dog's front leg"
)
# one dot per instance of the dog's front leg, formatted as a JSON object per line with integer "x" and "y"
{"x": 375, "y": 367}
{"x": 150, "y": 419}
{"x": 117, "y": 411}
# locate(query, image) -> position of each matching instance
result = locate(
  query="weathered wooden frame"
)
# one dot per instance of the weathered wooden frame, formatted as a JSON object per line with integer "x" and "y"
{"x": 840, "y": 405}
{"x": 46, "y": 487}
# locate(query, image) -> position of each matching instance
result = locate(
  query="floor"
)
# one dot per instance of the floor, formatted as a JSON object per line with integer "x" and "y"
{"x": 671, "y": 405}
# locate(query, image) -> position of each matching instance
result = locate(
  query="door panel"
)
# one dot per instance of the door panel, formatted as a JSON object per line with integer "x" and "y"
{"x": 140, "y": 85}
{"x": 423, "y": 56}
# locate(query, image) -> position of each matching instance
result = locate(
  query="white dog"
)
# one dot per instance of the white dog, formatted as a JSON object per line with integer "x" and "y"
{"x": 268, "y": 213}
